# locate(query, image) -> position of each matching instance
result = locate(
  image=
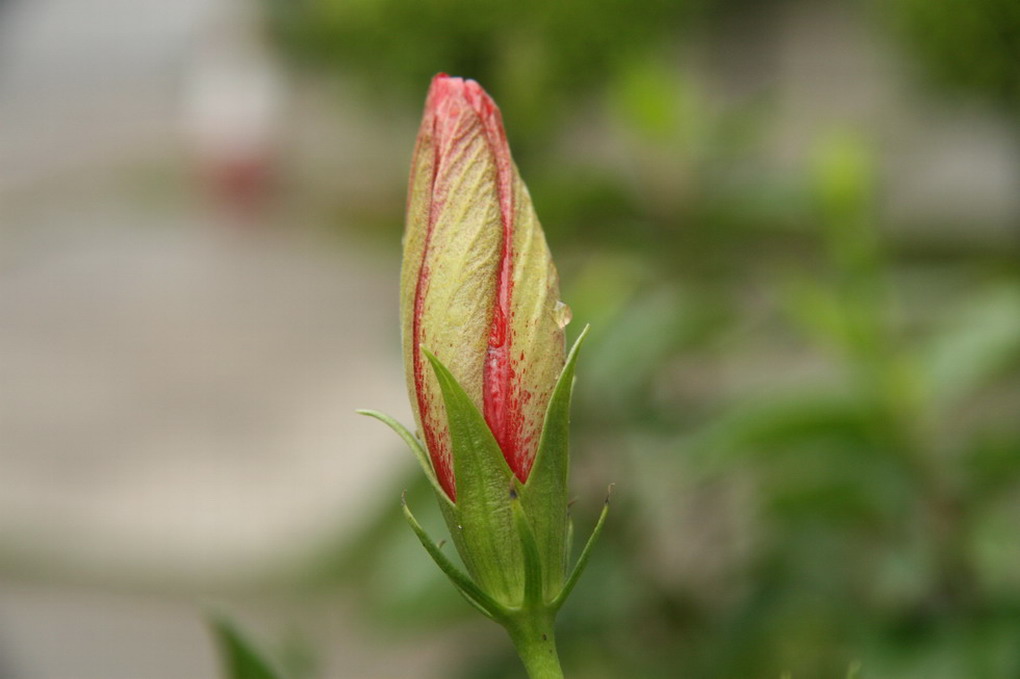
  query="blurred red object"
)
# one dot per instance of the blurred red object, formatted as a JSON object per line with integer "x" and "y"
{"x": 232, "y": 100}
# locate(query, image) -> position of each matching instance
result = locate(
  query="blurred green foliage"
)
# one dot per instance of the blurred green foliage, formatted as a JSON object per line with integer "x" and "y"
{"x": 536, "y": 56}
{"x": 972, "y": 46}
{"x": 811, "y": 418}
{"x": 240, "y": 658}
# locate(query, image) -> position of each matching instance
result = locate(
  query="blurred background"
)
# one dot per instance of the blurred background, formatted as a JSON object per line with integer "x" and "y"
{"x": 794, "y": 227}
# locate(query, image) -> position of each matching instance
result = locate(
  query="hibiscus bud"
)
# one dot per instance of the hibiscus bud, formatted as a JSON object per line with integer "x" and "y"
{"x": 486, "y": 373}
{"x": 478, "y": 286}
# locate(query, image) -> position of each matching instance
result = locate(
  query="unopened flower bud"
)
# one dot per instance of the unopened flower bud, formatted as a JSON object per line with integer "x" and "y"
{"x": 478, "y": 286}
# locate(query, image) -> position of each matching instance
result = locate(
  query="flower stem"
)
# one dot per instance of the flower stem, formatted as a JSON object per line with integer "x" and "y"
{"x": 532, "y": 635}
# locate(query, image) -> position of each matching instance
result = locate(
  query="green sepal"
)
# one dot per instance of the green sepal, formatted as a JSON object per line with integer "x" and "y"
{"x": 568, "y": 544}
{"x": 482, "y": 523}
{"x": 468, "y": 589}
{"x": 545, "y": 493}
{"x": 533, "y": 581}
{"x": 416, "y": 447}
{"x": 582, "y": 560}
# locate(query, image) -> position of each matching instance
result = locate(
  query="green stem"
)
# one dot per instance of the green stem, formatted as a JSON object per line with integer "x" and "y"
{"x": 532, "y": 634}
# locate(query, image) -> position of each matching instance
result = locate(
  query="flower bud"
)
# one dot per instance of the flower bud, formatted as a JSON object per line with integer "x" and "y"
{"x": 486, "y": 372}
{"x": 478, "y": 286}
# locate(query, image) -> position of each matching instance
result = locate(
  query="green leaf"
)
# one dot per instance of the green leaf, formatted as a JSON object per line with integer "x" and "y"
{"x": 468, "y": 589}
{"x": 482, "y": 526}
{"x": 416, "y": 447}
{"x": 582, "y": 560}
{"x": 240, "y": 659}
{"x": 545, "y": 494}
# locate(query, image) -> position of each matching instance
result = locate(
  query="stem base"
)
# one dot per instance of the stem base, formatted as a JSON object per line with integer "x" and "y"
{"x": 533, "y": 637}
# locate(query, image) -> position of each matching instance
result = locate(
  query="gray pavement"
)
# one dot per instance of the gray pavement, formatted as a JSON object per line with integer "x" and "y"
{"x": 176, "y": 388}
